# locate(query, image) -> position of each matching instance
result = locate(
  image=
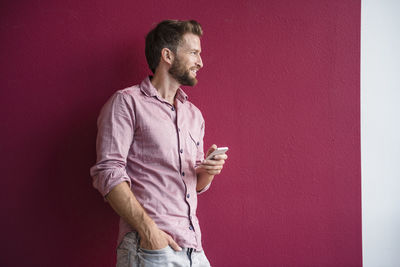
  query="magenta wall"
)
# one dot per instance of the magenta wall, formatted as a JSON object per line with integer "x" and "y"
{"x": 280, "y": 87}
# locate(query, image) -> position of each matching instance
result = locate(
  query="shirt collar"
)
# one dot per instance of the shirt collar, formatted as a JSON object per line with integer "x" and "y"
{"x": 180, "y": 95}
{"x": 148, "y": 89}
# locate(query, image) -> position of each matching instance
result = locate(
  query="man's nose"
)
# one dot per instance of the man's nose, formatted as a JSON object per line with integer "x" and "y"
{"x": 199, "y": 61}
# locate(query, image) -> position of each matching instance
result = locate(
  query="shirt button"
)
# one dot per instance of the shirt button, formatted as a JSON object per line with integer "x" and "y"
{"x": 198, "y": 143}
{"x": 181, "y": 150}
{"x": 179, "y": 129}
{"x": 183, "y": 173}
{"x": 188, "y": 195}
{"x": 173, "y": 109}
{"x": 190, "y": 227}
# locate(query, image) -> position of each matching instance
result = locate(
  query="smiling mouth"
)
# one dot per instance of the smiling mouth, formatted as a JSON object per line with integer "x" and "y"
{"x": 194, "y": 72}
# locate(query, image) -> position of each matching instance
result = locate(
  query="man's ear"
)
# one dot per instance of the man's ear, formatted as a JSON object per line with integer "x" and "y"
{"x": 167, "y": 55}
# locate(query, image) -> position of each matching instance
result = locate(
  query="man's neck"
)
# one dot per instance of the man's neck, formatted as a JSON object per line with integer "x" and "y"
{"x": 166, "y": 86}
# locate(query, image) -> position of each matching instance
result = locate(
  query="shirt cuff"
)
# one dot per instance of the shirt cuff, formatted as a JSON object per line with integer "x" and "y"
{"x": 106, "y": 180}
{"x": 204, "y": 189}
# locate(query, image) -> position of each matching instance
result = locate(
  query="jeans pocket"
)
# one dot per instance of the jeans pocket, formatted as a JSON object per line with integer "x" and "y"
{"x": 155, "y": 251}
{"x": 154, "y": 258}
{"x": 126, "y": 251}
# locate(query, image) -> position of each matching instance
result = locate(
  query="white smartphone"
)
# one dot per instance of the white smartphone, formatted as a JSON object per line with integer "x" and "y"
{"x": 218, "y": 151}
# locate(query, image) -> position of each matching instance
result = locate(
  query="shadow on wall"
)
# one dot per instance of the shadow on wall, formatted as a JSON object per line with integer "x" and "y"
{"x": 65, "y": 209}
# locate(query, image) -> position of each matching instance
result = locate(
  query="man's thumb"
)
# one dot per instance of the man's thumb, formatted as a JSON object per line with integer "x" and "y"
{"x": 211, "y": 149}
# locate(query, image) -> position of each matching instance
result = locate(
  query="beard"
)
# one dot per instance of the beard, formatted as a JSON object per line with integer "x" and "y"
{"x": 181, "y": 74}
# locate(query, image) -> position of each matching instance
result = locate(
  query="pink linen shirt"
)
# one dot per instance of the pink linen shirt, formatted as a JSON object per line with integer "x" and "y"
{"x": 155, "y": 147}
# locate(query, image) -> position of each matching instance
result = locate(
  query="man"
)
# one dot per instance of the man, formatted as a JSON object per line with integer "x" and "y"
{"x": 150, "y": 160}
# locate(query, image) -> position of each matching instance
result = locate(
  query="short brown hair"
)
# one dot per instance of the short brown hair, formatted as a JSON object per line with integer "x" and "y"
{"x": 168, "y": 34}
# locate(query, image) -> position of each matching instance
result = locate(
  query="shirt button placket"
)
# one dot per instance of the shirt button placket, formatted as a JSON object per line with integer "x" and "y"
{"x": 190, "y": 216}
{"x": 191, "y": 228}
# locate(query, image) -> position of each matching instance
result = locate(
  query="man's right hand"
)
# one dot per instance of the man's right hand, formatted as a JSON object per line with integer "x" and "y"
{"x": 124, "y": 202}
{"x": 157, "y": 239}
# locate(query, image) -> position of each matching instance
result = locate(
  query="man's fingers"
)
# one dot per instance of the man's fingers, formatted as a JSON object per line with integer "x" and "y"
{"x": 211, "y": 162}
{"x": 216, "y": 158}
{"x": 214, "y": 172}
{"x": 222, "y": 156}
{"x": 212, "y": 167}
{"x": 174, "y": 245}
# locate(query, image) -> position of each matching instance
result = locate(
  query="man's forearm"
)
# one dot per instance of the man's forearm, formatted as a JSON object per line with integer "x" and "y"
{"x": 203, "y": 179}
{"x": 124, "y": 202}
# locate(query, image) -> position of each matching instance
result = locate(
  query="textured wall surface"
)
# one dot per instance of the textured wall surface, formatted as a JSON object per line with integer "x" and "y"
{"x": 280, "y": 87}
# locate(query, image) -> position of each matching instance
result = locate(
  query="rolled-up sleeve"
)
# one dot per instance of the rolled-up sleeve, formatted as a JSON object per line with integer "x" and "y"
{"x": 114, "y": 138}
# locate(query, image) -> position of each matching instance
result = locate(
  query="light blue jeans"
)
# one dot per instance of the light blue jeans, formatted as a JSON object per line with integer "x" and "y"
{"x": 129, "y": 254}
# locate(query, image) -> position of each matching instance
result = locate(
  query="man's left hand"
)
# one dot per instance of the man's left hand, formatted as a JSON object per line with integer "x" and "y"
{"x": 212, "y": 166}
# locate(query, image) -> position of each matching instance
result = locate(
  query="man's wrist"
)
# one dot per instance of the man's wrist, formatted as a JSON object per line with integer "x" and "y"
{"x": 199, "y": 170}
{"x": 146, "y": 228}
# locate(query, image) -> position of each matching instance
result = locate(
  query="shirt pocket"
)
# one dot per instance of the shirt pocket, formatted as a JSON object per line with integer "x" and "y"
{"x": 193, "y": 146}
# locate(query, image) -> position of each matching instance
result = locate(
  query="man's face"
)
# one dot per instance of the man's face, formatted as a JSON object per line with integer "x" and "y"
{"x": 187, "y": 60}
